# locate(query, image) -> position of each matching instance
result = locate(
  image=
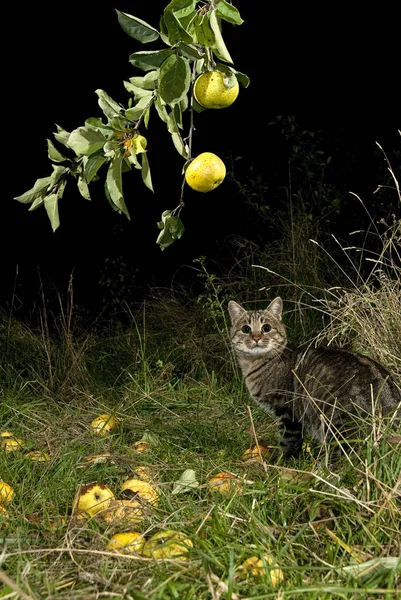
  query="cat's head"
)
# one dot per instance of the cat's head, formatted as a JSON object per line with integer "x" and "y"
{"x": 259, "y": 331}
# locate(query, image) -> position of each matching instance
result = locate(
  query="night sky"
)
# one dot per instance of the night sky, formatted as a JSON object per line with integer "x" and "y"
{"x": 336, "y": 72}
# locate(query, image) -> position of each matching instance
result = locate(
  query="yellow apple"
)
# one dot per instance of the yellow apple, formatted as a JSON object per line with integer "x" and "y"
{"x": 98, "y": 458}
{"x": 124, "y": 511}
{"x": 141, "y": 490}
{"x": 92, "y": 499}
{"x": 141, "y": 446}
{"x": 225, "y": 483}
{"x": 127, "y": 542}
{"x": 104, "y": 424}
{"x": 167, "y": 544}
{"x": 6, "y": 492}
{"x": 9, "y": 443}
{"x": 255, "y": 453}
{"x": 210, "y": 91}
{"x": 37, "y": 455}
{"x": 144, "y": 473}
{"x": 256, "y": 567}
{"x": 205, "y": 172}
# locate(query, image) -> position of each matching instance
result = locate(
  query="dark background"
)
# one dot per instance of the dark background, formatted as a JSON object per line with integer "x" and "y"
{"x": 335, "y": 71}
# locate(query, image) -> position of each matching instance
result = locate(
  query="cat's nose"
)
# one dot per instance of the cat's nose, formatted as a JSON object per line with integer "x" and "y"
{"x": 256, "y": 337}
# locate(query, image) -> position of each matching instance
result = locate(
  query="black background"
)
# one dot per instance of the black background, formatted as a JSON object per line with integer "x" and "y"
{"x": 334, "y": 70}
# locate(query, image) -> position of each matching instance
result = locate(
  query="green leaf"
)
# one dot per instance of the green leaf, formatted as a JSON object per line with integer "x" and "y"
{"x": 51, "y": 206}
{"x": 97, "y": 124}
{"x": 85, "y": 141}
{"x": 176, "y": 136}
{"x": 197, "y": 107}
{"x": 152, "y": 438}
{"x": 179, "y": 144}
{"x": 62, "y": 135}
{"x": 228, "y": 12}
{"x": 175, "y": 79}
{"x": 177, "y": 115}
{"x": 181, "y": 8}
{"x": 186, "y": 482}
{"x": 36, "y": 203}
{"x": 137, "y": 91}
{"x": 376, "y": 566}
{"x": 114, "y": 185}
{"x": 189, "y": 51}
{"x": 110, "y": 149}
{"x": 110, "y": 201}
{"x": 204, "y": 33}
{"x": 147, "y": 82}
{"x": 118, "y": 123}
{"x": 183, "y": 105}
{"x": 136, "y": 28}
{"x": 60, "y": 188}
{"x": 136, "y": 112}
{"x": 53, "y": 153}
{"x": 164, "y": 32}
{"x": 146, "y": 117}
{"x": 161, "y": 109}
{"x": 176, "y": 33}
{"x": 146, "y": 176}
{"x": 219, "y": 47}
{"x": 242, "y": 78}
{"x": 133, "y": 159}
{"x": 38, "y": 190}
{"x": 83, "y": 187}
{"x": 110, "y": 107}
{"x": 148, "y": 61}
{"x": 172, "y": 229}
{"x": 58, "y": 172}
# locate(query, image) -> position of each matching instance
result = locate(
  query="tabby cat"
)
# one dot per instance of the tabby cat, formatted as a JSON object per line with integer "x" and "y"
{"x": 313, "y": 393}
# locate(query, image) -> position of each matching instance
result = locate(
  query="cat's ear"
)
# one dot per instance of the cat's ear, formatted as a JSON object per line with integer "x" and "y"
{"x": 276, "y": 307}
{"x": 235, "y": 310}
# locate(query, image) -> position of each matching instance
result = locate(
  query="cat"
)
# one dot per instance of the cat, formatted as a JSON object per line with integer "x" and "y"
{"x": 313, "y": 393}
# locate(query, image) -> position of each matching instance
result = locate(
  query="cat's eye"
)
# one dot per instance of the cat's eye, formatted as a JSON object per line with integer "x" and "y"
{"x": 246, "y": 329}
{"x": 266, "y": 328}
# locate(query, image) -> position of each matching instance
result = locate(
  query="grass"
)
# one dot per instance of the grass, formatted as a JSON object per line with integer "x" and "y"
{"x": 329, "y": 522}
{"x": 316, "y": 517}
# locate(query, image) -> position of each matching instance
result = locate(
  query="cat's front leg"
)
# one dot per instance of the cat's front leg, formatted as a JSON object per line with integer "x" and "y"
{"x": 291, "y": 440}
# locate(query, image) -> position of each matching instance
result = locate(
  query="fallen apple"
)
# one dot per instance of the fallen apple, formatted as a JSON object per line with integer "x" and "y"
{"x": 6, "y": 492}
{"x": 168, "y": 544}
{"x": 141, "y": 446}
{"x": 98, "y": 458}
{"x": 225, "y": 483}
{"x": 255, "y": 453}
{"x": 9, "y": 443}
{"x": 141, "y": 489}
{"x": 105, "y": 424}
{"x": 92, "y": 499}
{"x": 127, "y": 542}
{"x": 259, "y": 566}
{"x": 37, "y": 455}
{"x": 144, "y": 473}
{"x": 124, "y": 511}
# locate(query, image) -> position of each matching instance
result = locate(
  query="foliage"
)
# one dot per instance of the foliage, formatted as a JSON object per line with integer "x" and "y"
{"x": 115, "y": 143}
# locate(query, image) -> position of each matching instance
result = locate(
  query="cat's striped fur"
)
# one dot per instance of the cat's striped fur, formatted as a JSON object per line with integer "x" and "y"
{"x": 314, "y": 393}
